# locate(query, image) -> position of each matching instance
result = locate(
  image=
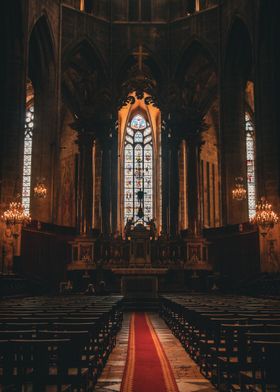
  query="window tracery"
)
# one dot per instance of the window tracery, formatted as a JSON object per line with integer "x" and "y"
{"x": 250, "y": 163}
{"x": 138, "y": 170}
{"x": 27, "y": 158}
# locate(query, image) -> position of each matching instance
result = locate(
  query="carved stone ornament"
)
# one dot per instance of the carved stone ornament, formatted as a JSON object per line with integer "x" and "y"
{"x": 139, "y": 83}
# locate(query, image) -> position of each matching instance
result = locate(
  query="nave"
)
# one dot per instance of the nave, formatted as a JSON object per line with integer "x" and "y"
{"x": 185, "y": 370}
{"x": 197, "y": 342}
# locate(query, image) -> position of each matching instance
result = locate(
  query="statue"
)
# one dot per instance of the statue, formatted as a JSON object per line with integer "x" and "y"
{"x": 152, "y": 228}
{"x": 8, "y": 249}
{"x": 128, "y": 226}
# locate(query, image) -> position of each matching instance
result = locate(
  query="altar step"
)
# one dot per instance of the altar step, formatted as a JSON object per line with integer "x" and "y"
{"x": 141, "y": 304}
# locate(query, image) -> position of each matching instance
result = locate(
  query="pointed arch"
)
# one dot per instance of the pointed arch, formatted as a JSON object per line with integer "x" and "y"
{"x": 267, "y": 89}
{"x": 41, "y": 53}
{"x": 238, "y": 55}
{"x": 238, "y": 70}
{"x": 89, "y": 50}
{"x": 12, "y": 74}
{"x": 193, "y": 46}
{"x": 197, "y": 74}
{"x": 138, "y": 169}
{"x": 42, "y": 76}
{"x": 151, "y": 63}
{"x": 84, "y": 77}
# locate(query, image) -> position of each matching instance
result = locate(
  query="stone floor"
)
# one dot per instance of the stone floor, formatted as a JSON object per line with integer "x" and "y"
{"x": 186, "y": 372}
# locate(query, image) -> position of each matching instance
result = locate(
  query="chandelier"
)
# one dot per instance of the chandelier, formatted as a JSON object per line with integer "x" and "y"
{"x": 265, "y": 217}
{"x": 40, "y": 190}
{"x": 16, "y": 214}
{"x": 239, "y": 192}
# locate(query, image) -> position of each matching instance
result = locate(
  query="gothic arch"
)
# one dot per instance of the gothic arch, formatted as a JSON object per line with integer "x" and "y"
{"x": 267, "y": 92}
{"x": 239, "y": 55}
{"x": 196, "y": 80}
{"x": 12, "y": 75}
{"x": 85, "y": 45}
{"x": 150, "y": 62}
{"x": 192, "y": 44}
{"x": 84, "y": 76}
{"x": 42, "y": 73}
{"x": 41, "y": 53}
{"x": 196, "y": 72}
{"x": 238, "y": 69}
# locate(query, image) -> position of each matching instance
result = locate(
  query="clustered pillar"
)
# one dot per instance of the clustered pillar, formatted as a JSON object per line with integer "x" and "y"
{"x": 85, "y": 182}
{"x": 193, "y": 184}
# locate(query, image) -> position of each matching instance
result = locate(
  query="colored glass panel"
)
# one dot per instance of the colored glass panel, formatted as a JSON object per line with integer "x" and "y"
{"x": 27, "y": 158}
{"x": 138, "y": 170}
{"x": 251, "y": 172}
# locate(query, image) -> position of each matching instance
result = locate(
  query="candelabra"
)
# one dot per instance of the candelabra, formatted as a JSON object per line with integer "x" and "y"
{"x": 40, "y": 190}
{"x": 15, "y": 214}
{"x": 265, "y": 217}
{"x": 239, "y": 192}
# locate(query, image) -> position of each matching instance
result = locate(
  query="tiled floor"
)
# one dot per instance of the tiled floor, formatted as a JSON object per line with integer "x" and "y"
{"x": 186, "y": 372}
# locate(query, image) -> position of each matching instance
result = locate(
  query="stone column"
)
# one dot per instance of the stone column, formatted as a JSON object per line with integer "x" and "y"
{"x": 165, "y": 181}
{"x": 173, "y": 184}
{"x": 193, "y": 184}
{"x": 114, "y": 179}
{"x": 106, "y": 185}
{"x": 85, "y": 182}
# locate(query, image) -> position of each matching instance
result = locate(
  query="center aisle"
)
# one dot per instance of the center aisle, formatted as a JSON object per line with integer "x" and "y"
{"x": 154, "y": 356}
{"x": 147, "y": 367}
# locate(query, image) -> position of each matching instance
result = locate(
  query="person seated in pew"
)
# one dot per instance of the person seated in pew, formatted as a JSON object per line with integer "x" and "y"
{"x": 102, "y": 288}
{"x": 90, "y": 290}
{"x": 66, "y": 287}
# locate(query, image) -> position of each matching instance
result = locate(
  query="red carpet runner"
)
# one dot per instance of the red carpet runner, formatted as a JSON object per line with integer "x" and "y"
{"x": 147, "y": 367}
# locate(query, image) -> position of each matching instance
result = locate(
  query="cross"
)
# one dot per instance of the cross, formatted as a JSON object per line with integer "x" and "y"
{"x": 140, "y": 54}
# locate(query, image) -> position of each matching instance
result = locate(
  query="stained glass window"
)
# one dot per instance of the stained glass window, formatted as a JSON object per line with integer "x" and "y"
{"x": 138, "y": 170}
{"x": 251, "y": 172}
{"x": 27, "y": 158}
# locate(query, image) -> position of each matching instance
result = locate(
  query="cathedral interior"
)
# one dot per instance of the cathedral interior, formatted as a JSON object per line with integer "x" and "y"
{"x": 140, "y": 164}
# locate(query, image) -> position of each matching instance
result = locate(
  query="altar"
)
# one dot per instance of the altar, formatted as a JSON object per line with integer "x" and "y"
{"x": 138, "y": 264}
{"x": 140, "y": 282}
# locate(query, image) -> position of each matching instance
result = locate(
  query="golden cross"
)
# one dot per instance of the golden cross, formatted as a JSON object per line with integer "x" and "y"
{"x": 140, "y": 54}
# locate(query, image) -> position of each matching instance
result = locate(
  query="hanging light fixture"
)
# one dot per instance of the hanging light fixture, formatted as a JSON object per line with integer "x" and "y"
{"x": 40, "y": 190}
{"x": 239, "y": 191}
{"x": 16, "y": 214}
{"x": 265, "y": 217}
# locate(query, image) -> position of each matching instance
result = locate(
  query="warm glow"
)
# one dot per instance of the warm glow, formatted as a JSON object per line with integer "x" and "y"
{"x": 138, "y": 170}
{"x": 265, "y": 217}
{"x": 40, "y": 190}
{"x": 82, "y": 5}
{"x": 153, "y": 116}
{"x": 239, "y": 192}
{"x": 16, "y": 214}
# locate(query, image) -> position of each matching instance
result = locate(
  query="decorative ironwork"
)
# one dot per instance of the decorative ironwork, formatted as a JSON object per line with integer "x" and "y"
{"x": 139, "y": 83}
